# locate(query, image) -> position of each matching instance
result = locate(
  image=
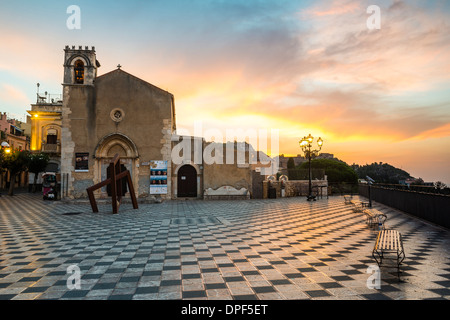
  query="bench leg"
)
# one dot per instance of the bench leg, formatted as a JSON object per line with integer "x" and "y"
{"x": 380, "y": 256}
{"x": 400, "y": 258}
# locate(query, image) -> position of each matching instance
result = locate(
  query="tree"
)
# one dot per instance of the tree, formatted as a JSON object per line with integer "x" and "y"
{"x": 15, "y": 162}
{"x": 336, "y": 171}
{"x": 439, "y": 185}
{"x": 291, "y": 163}
{"x": 381, "y": 172}
{"x": 37, "y": 164}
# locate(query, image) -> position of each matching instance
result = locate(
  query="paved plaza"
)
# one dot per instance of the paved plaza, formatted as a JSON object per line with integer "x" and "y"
{"x": 255, "y": 249}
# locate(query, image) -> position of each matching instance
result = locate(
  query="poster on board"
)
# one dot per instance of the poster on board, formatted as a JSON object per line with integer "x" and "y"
{"x": 158, "y": 177}
{"x": 82, "y": 162}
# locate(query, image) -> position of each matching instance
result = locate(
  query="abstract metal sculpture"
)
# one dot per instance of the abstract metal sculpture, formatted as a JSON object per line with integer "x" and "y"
{"x": 115, "y": 181}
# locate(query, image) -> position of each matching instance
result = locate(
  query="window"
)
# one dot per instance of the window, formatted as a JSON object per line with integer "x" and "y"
{"x": 79, "y": 72}
{"x": 51, "y": 139}
{"x": 52, "y": 136}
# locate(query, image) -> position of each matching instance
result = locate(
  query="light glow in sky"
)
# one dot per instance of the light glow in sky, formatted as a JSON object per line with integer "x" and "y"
{"x": 296, "y": 66}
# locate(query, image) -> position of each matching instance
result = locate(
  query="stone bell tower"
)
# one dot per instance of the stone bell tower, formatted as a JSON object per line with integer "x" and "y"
{"x": 78, "y": 112}
{"x": 80, "y": 66}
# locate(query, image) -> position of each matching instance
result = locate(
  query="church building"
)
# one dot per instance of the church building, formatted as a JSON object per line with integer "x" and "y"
{"x": 118, "y": 113}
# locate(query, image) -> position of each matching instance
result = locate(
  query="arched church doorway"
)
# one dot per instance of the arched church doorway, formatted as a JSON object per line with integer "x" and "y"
{"x": 187, "y": 182}
{"x": 108, "y": 147}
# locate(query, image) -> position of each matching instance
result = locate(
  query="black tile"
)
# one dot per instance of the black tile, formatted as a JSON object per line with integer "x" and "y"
{"x": 442, "y": 292}
{"x": 266, "y": 289}
{"x": 166, "y": 283}
{"x": 443, "y": 283}
{"x": 342, "y": 278}
{"x": 172, "y": 268}
{"x": 225, "y": 265}
{"x": 35, "y": 289}
{"x": 136, "y": 265}
{"x": 389, "y": 288}
{"x": 75, "y": 294}
{"x": 327, "y": 259}
{"x": 277, "y": 262}
{"x": 194, "y": 294}
{"x": 115, "y": 270}
{"x": 280, "y": 282}
{"x": 376, "y": 296}
{"x": 245, "y": 297}
{"x": 206, "y": 270}
{"x": 152, "y": 273}
{"x": 317, "y": 293}
{"x": 294, "y": 275}
{"x": 318, "y": 264}
{"x": 102, "y": 286}
{"x": 250, "y": 273}
{"x": 121, "y": 297}
{"x": 192, "y": 276}
{"x": 92, "y": 276}
{"x": 330, "y": 285}
{"x": 263, "y": 267}
{"x": 27, "y": 279}
{"x": 27, "y": 271}
{"x": 306, "y": 269}
{"x": 350, "y": 272}
{"x": 233, "y": 279}
{"x": 103, "y": 263}
{"x": 210, "y": 286}
{"x": 146, "y": 290}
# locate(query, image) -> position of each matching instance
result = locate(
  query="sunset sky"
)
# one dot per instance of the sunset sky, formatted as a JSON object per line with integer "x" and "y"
{"x": 299, "y": 67}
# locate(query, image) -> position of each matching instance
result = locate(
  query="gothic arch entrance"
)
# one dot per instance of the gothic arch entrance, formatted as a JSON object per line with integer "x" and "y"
{"x": 106, "y": 149}
{"x": 187, "y": 182}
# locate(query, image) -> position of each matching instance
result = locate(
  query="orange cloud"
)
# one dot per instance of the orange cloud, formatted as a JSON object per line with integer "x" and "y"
{"x": 336, "y": 8}
{"x": 439, "y": 132}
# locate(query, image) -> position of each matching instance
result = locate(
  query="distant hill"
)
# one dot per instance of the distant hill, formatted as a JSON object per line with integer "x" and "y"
{"x": 381, "y": 172}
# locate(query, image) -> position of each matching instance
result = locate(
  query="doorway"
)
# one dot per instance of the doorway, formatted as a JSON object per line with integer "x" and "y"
{"x": 187, "y": 182}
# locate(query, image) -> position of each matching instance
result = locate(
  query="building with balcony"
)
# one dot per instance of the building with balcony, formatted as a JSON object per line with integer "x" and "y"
{"x": 45, "y": 117}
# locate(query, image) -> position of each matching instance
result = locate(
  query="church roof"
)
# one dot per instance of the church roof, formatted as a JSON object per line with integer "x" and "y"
{"x": 120, "y": 71}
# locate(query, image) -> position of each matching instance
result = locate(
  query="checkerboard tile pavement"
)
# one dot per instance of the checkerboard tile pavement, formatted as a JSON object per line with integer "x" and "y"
{"x": 254, "y": 249}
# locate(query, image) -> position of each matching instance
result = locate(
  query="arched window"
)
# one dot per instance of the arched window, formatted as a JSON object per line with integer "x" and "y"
{"x": 79, "y": 72}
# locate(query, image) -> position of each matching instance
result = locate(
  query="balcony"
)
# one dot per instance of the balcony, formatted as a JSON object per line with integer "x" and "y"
{"x": 51, "y": 148}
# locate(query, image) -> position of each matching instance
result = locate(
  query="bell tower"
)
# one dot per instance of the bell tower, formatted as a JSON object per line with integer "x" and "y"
{"x": 78, "y": 112}
{"x": 80, "y": 66}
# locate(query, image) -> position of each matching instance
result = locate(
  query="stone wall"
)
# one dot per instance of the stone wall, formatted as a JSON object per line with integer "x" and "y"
{"x": 293, "y": 188}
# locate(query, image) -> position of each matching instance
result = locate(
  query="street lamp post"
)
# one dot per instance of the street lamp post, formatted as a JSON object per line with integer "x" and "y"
{"x": 306, "y": 145}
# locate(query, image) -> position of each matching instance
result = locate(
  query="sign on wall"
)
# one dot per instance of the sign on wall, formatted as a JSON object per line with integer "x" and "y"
{"x": 158, "y": 177}
{"x": 82, "y": 162}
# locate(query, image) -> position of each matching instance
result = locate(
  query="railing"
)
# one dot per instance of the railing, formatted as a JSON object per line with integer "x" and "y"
{"x": 415, "y": 188}
{"x": 425, "y": 205}
{"x": 50, "y": 99}
{"x": 51, "y": 148}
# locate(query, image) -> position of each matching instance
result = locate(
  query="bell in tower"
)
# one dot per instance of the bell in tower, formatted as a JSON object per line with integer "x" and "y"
{"x": 80, "y": 66}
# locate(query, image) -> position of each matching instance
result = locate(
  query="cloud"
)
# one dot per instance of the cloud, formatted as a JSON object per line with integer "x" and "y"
{"x": 11, "y": 94}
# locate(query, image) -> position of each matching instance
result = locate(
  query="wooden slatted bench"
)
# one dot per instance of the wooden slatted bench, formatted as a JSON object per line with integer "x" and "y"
{"x": 347, "y": 199}
{"x": 374, "y": 217}
{"x": 358, "y": 206}
{"x": 389, "y": 241}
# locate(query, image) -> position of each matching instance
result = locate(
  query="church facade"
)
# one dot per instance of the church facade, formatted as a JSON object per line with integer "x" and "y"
{"x": 118, "y": 113}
